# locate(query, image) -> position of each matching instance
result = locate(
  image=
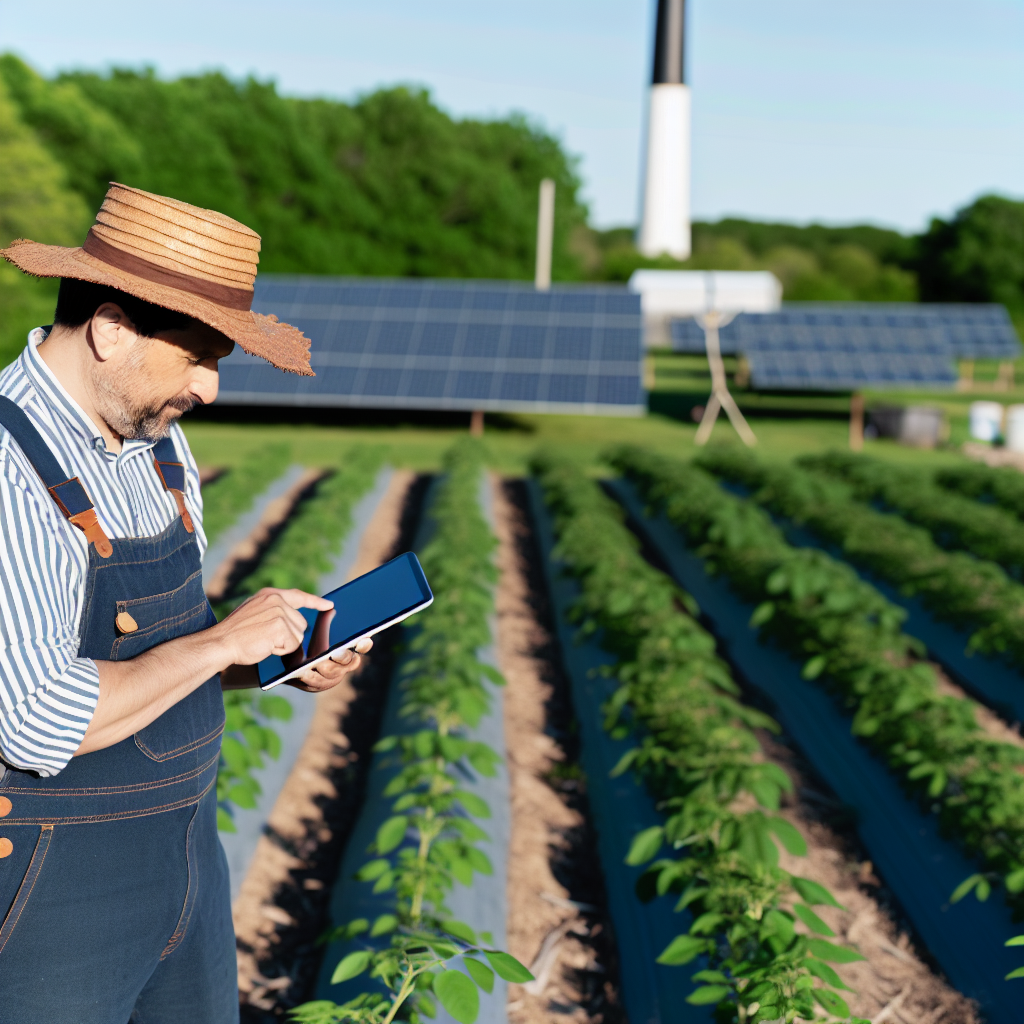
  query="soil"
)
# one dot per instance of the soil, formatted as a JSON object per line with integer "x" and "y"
{"x": 207, "y": 474}
{"x": 895, "y": 983}
{"x": 557, "y": 920}
{"x": 282, "y": 906}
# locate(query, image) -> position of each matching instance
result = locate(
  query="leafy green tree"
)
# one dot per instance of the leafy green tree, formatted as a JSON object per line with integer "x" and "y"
{"x": 34, "y": 202}
{"x": 387, "y": 185}
{"x": 34, "y": 197}
{"x": 978, "y": 256}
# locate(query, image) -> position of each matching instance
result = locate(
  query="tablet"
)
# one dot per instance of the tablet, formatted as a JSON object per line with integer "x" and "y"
{"x": 366, "y": 605}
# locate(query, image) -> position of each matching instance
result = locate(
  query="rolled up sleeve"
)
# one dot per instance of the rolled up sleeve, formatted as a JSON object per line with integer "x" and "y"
{"x": 47, "y": 693}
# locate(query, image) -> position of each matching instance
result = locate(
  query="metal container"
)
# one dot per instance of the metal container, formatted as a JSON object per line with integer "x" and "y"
{"x": 921, "y": 426}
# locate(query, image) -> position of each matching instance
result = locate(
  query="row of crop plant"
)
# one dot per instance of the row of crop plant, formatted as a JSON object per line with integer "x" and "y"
{"x": 1002, "y": 486}
{"x": 849, "y": 636}
{"x": 414, "y": 954}
{"x": 954, "y": 521}
{"x": 764, "y": 948}
{"x": 955, "y": 587}
{"x": 300, "y": 554}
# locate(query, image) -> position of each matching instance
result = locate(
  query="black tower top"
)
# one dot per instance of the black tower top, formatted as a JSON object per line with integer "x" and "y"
{"x": 669, "y": 58}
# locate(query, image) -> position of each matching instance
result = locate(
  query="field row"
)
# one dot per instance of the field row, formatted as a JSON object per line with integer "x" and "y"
{"x": 699, "y": 824}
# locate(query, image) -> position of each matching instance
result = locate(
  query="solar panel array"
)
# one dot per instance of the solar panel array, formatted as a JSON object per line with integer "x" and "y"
{"x": 979, "y": 330}
{"x": 449, "y": 345}
{"x": 843, "y": 345}
{"x": 811, "y": 370}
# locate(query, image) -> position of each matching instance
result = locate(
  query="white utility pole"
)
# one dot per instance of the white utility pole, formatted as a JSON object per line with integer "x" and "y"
{"x": 665, "y": 225}
{"x": 545, "y": 235}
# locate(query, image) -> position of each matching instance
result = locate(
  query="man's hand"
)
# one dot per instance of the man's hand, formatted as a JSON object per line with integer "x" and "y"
{"x": 266, "y": 623}
{"x": 136, "y": 692}
{"x": 269, "y": 623}
{"x": 331, "y": 672}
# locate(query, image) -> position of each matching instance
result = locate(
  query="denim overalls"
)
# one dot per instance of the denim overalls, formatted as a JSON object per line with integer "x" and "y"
{"x": 114, "y": 895}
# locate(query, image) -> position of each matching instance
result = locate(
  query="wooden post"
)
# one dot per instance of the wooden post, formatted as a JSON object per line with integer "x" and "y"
{"x": 545, "y": 235}
{"x": 966, "y": 381}
{"x": 476, "y": 423}
{"x": 1004, "y": 381}
{"x": 856, "y": 421}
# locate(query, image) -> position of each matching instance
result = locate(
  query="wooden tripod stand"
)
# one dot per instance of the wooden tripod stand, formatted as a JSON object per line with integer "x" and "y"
{"x": 720, "y": 397}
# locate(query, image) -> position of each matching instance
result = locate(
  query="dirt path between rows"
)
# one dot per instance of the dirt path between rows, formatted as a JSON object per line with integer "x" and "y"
{"x": 282, "y": 904}
{"x": 557, "y": 921}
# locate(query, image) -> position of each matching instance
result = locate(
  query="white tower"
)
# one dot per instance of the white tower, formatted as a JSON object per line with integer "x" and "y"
{"x": 665, "y": 227}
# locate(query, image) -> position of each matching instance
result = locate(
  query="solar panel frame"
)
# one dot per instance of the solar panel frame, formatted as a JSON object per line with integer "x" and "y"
{"x": 450, "y": 345}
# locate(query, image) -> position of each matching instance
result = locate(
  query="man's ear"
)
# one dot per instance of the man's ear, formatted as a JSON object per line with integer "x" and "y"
{"x": 110, "y": 331}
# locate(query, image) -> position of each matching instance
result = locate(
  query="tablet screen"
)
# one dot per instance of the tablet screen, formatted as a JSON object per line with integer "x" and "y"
{"x": 360, "y": 607}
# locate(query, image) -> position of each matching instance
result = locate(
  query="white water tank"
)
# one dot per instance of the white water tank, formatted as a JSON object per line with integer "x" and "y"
{"x": 986, "y": 420}
{"x": 1015, "y": 428}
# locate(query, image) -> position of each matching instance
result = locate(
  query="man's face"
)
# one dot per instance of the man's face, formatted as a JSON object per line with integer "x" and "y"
{"x": 151, "y": 382}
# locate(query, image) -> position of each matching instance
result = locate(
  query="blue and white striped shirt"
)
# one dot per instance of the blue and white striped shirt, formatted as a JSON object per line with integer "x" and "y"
{"x": 47, "y": 693}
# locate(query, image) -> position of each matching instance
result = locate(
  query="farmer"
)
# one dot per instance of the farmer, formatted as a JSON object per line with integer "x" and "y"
{"x": 114, "y": 894}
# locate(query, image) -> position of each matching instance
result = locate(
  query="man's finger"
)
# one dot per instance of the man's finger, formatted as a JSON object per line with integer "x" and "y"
{"x": 300, "y": 599}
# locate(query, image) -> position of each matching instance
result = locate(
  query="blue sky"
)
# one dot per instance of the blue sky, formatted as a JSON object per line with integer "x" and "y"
{"x": 887, "y": 111}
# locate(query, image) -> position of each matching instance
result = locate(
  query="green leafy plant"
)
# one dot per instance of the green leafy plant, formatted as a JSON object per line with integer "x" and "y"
{"x": 300, "y": 555}
{"x": 430, "y": 842}
{"x": 762, "y": 944}
{"x": 849, "y": 636}
{"x": 955, "y": 522}
{"x": 955, "y": 587}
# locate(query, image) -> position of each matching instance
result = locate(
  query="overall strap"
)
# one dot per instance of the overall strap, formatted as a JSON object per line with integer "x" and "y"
{"x": 172, "y": 473}
{"x": 68, "y": 493}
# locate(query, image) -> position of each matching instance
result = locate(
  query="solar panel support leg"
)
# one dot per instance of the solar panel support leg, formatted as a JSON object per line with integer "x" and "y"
{"x": 720, "y": 397}
{"x": 476, "y": 423}
{"x": 856, "y": 421}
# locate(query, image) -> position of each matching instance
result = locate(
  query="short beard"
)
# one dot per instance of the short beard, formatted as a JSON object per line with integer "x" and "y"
{"x": 124, "y": 412}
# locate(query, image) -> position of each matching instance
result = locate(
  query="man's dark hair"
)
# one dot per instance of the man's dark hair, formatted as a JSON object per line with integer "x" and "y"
{"x": 77, "y": 302}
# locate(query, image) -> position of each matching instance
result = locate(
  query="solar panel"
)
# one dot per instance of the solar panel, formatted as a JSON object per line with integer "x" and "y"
{"x": 818, "y": 370}
{"x": 979, "y": 330}
{"x": 962, "y": 330}
{"x": 449, "y": 345}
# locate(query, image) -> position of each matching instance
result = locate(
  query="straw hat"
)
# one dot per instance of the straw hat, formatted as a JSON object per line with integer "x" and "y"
{"x": 178, "y": 256}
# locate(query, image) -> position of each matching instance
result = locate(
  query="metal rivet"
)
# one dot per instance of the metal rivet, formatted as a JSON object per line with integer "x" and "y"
{"x": 5, "y": 807}
{"x": 125, "y": 623}
{"x": 6, "y": 848}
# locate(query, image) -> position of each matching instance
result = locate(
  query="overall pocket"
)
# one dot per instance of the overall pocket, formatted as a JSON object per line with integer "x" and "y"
{"x": 161, "y": 617}
{"x": 198, "y": 719}
{"x": 16, "y": 907}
